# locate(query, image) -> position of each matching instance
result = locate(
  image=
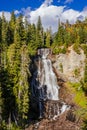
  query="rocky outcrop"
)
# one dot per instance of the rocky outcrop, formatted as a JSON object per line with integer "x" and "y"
{"x": 70, "y": 65}
{"x": 67, "y": 121}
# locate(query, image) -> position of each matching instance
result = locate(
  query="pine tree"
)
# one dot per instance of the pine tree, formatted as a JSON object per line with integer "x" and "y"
{"x": 4, "y": 31}
{"x": 7, "y": 95}
{"x": 27, "y": 27}
{"x": 1, "y": 101}
{"x": 19, "y": 34}
{"x": 12, "y": 21}
{"x": 39, "y": 33}
{"x": 31, "y": 35}
{"x": 39, "y": 24}
{"x": 48, "y": 38}
{"x": 4, "y": 41}
{"x": 59, "y": 38}
{"x": 0, "y": 31}
{"x": 23, "y": 95}
{"x": 12, "y": 26}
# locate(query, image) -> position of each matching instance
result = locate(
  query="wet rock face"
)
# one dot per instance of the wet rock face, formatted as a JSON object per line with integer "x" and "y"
{"x": 45, "y": 89}
{"x": 44, "y": 85}
{"x": 53, "y": 109}
{"x": 44, "y": 52}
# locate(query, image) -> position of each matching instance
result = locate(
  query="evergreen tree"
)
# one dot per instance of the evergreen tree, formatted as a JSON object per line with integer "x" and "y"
{"x": 32, "y": 35}
{"x": 39, "y": 24}
{"x": 48, "y": 38}
{"x": 12, "y": 21}
{"x": 12, "y": 26}
{"x": 1, "y": 101}
{"x": 0, "y": 31}
{"x": 59, "y": 38}
{"x": 14, "y": 60}
{"x": 19, "y": 33}
{"x": 4, "y": 31}
{"x": 7, "y": 95}
{"x": 23, "y": 95}
{"x": 4, "y": 40}
{"x": 39, "y": 33}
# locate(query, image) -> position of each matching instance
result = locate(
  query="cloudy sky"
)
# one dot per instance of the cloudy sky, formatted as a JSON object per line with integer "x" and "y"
{"x": 49, "y": 10}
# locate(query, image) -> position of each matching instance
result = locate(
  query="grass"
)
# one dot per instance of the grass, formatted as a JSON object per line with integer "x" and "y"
{"x": 80, "y": 99}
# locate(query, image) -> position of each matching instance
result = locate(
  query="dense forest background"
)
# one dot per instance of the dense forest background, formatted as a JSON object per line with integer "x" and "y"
{"x": 19, "y": 41}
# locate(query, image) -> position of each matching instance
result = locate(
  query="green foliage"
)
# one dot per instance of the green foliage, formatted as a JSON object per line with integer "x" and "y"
{"x": 76, "y": 48}
{"x": 55, "y": 49}
{"x": 84, "y": 127}
{"x": 59, "y": 38}
{"x": 18, "y": 62}
{"x": 61, "y": 49}
{"x": 85, "y": 77}
{"x": 81, "y": 100}
{"x": 61, "y": 67}
{"x": 12, "y": 126}
{"x": 77, "y": 72}
{"x": 39, "y": 33}
{"x": 39, "y": 24}
{"x": 4, "y": 30}
{"x": 77, "y": 89}
{"x": 23, "y": 85}
{"x": 7, "y": 94}
{"x": 84, "y": 47}
{"x": 3, "y": 125}
{"x": 48, "y": 38}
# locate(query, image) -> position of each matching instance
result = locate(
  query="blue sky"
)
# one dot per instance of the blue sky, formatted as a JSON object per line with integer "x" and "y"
{"x": 49, "y": 10}
{"x": 10, "y": 5}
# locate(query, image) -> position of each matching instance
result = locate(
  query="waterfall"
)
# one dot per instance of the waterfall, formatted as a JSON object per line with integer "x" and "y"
{"x": 45, "y": 87}
{"x": 47, "y": 77}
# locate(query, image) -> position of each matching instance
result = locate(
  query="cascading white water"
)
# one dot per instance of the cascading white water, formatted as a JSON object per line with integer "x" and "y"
{"x": 47, "y": 78}
{"x": 45, "y": 87}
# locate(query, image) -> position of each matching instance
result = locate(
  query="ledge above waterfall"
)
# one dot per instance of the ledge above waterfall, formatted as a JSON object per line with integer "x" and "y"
{"x": 44, "y": 52}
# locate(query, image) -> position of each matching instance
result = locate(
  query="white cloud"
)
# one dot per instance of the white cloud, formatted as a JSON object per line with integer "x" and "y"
{"x": 16, "y": 12}
{"x": 84, "y": 12}
{"x": 26, "y": 11}
{"x": 68, "y": 1}
{"x": 85, "y": 8}
{"x": 50, "y": 14}
{"x": 70, "y": 14}
{"x": 47, "y": 2}
{"x": 6, "y": 14}
{"x": 73, "y": 15}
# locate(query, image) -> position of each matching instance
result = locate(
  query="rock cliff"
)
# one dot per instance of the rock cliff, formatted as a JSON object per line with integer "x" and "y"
{"x": 70, "y": 65}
